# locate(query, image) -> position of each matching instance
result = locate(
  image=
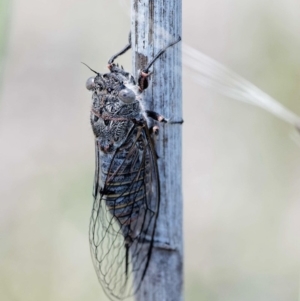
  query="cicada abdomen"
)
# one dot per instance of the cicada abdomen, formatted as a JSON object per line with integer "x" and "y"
{"x": 126, "y": 185}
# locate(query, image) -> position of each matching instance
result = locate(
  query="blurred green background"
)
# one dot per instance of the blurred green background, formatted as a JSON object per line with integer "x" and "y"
{"x": 241, "y": 167}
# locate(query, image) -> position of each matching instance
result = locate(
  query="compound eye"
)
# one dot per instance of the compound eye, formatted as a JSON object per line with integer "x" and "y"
{"x": 126, "y": 95}
{"x": 90, "y": 84}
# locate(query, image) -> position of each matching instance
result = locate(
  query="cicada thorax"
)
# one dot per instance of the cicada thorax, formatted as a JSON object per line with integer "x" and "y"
{"x": 114, "y": 106}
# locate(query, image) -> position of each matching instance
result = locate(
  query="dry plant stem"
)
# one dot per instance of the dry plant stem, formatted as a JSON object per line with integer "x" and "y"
{"x": 154, "y": 25}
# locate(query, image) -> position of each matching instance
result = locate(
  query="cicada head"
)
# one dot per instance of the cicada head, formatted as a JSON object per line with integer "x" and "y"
{"x": 95, "y": 83}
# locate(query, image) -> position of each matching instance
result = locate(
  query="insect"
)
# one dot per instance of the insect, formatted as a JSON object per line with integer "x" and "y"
{"x": 126, "y": 184}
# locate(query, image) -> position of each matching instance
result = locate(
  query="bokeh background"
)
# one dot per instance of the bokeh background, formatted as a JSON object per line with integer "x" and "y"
{"x": 241, "y": 169}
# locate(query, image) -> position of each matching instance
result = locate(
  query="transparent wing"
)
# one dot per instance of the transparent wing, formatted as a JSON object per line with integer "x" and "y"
{"x": 124, "y": 214}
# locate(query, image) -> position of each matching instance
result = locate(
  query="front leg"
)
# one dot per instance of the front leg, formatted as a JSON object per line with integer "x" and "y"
{"x": 155, "y": 116}
{"x": 161, "y": 118}
{"x": 143, "y": 80}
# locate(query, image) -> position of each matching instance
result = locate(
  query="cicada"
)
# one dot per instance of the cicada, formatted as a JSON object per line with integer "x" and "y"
{"x": 126, "y": 185}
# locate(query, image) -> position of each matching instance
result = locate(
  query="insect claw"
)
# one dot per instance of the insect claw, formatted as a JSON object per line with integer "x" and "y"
{"x": 177, "y": 122}
{"x": 171, "y": 121}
